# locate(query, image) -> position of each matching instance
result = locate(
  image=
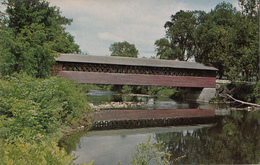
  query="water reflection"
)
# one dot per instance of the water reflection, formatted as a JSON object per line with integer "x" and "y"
{"x": 233, "y": 140}
{"x": 107, "y": 147}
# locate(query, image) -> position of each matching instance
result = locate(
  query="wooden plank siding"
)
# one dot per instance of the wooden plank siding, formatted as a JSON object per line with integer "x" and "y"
{"x": 134, "y": 71}
{"x": 135, "y": 79}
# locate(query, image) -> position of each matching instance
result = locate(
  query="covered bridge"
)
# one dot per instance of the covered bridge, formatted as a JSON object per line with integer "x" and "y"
{"x": 134, "y": 71}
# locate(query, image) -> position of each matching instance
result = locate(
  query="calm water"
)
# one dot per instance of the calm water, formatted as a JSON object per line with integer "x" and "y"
{"x": 234, "y": 139}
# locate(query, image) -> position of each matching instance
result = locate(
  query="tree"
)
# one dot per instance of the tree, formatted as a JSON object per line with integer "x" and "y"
{"x": 216, "y": 38}
{"x": 249, "y": 7}
{"x": 123, "y": 49}
{"x": 227, "y": 40}
{"x": 34, "y": 35}
{"x": 224, "y": 37}
{"x": 179, "y": 42}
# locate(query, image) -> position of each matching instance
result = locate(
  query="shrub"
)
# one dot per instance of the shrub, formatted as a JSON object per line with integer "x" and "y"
{"x": 32, "y": 114}
{"x": 33, "y": 152}
{"x": 43, "y": 103}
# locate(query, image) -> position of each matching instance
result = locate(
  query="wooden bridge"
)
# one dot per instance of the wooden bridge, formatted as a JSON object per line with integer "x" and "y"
{"x": 134, "y": 71}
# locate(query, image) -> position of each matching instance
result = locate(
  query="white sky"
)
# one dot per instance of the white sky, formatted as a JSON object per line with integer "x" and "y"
{"x": 99, "y": 23}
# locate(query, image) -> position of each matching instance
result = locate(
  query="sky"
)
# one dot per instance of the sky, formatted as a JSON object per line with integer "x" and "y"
{"x": 99, "y": 23}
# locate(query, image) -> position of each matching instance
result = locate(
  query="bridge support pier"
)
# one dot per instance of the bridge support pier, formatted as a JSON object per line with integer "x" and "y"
{"x": 201, "y": 94}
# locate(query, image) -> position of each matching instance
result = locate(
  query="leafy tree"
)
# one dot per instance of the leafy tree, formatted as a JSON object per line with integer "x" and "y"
{"x": 123, "y": 49}
{"x": 33, "y": 36}
{"x": 249, "y": 7}
{"x": 216, "y": 36}
{"x": 179, "y": 42}
{"x": 224, "y": 37}
{"x": 164, "y": 49}
{"x": 226, "y": 41}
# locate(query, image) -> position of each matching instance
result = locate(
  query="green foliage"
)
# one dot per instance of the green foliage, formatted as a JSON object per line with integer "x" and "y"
{"x": 249, "y": 7}
{"x": 231, "y": 45}
{"x": 33, "y": 112}
{"x": 150, "y": 153}
{"x": 43, "y": 103}
{"x": 32, "y": 36}
{"x": 88, "y": 87}
{"x": 164, "y": 50}
{"x": 33, "y": 152}
{"x": 123, "y": 49}
{"x": 244, "y": 91}
{"x": 174, "y": 93}
{"x": 256, "y": 93}
{"x": 179, "y": 42}
{"x": 135, "y": 89}
{"x": 224, "y": 37}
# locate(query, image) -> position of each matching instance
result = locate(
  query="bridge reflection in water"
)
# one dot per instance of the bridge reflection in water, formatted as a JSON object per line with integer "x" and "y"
{"x": 125, "y": 119}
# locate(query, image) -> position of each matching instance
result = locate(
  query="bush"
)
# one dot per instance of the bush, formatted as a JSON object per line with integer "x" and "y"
{"x": 243, "y": 91}
{"x": 33, "y": 112}
{"x": 33, "y": 152}
{"x": 43, "y": 103}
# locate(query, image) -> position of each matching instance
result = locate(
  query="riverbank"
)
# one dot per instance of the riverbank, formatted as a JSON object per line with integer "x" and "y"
{"x": 116, "y": 105}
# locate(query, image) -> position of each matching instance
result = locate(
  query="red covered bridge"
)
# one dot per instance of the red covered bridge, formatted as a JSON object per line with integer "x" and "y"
{"x": 134, "y": 71}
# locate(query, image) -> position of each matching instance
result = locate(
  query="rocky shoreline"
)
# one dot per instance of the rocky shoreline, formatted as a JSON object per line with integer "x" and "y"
{"x": 117, "y": 105}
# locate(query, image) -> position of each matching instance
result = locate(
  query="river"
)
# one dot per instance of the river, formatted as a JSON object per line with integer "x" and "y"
{"x": 233, "y": 137}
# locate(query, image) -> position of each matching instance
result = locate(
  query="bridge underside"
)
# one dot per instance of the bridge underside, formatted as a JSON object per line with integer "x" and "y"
{"x": 138, "y": 79}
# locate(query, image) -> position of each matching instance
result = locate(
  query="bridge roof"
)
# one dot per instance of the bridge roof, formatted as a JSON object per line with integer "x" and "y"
{"x": 132, "y": 61}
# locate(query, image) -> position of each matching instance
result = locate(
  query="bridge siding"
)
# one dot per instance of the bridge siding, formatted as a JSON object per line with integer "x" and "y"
{"x": 205, "y": 75}
{"x": 135, "y": 79}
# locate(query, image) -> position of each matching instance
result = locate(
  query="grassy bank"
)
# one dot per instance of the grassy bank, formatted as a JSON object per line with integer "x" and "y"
{"x": 34, "y": 113}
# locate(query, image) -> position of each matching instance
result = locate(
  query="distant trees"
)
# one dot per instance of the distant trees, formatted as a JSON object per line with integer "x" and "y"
{"x": 224, "y": 37}
{"x": 123, "y": 49}
{"x": 31, "y": 36}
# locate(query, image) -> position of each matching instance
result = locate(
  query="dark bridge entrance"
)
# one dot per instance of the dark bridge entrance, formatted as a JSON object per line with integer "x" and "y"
{"x": 135, "y": 71}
